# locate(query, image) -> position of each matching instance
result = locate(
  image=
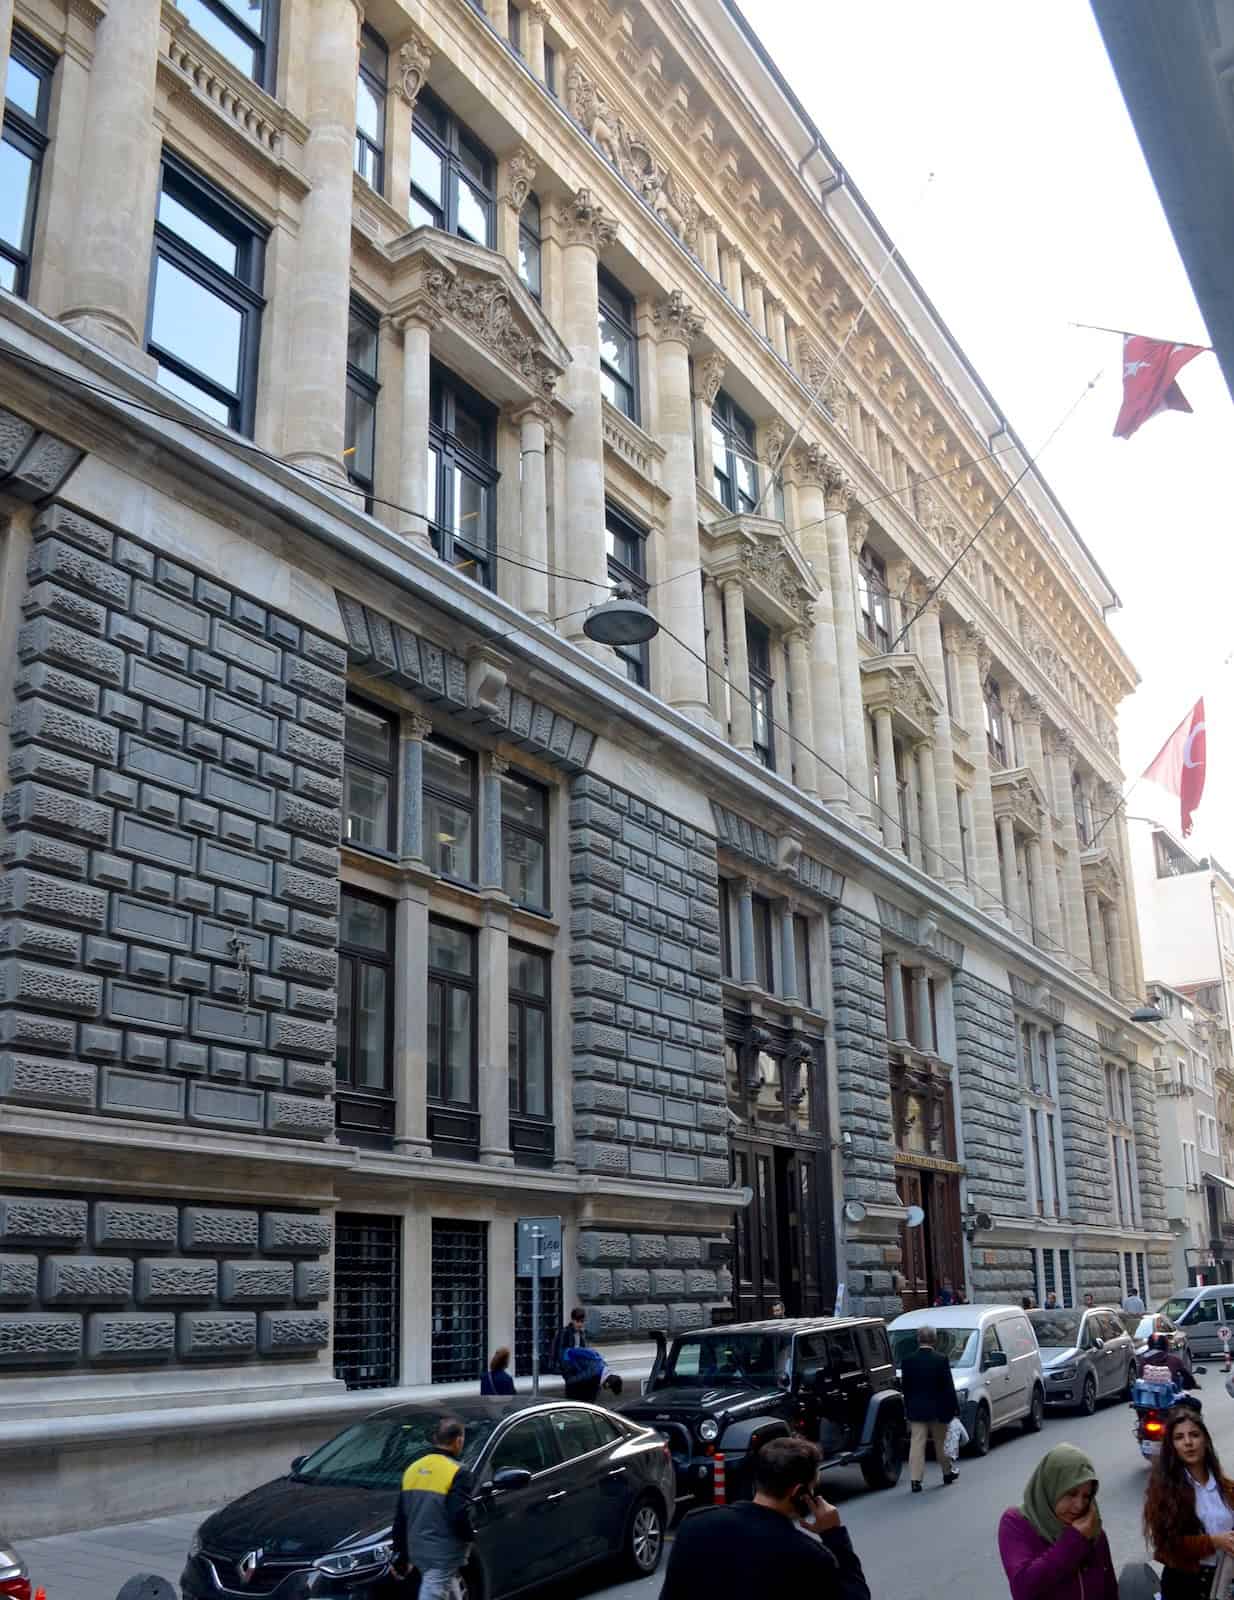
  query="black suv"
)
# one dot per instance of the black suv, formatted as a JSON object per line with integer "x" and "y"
{"x": 720, "y": 1393}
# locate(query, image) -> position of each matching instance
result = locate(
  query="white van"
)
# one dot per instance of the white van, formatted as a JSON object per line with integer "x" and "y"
{"x": 994, "y": 1360}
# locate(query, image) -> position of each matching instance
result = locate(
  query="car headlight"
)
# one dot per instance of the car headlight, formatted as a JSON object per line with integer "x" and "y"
{"x": 1063, "y": 1373}
{"x": 345, "y": 1562}
{"x": 195, "y": 1544}
{"x": 708, "y": 1429}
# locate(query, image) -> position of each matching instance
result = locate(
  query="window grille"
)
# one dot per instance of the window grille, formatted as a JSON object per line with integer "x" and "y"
{"x": 366, "y": 1301}
{"x": 460, "y": 1300}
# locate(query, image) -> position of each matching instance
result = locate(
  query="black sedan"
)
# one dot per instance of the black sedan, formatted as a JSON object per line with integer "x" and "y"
{"x": 559, "y": 1486}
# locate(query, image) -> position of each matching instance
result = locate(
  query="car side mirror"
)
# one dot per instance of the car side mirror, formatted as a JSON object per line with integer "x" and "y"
{"x": 1098, "y": 1344}
{"x": 510, "y": 1478}
{"x": 996, "y": 1358}
{"x": 298, "y": 1463}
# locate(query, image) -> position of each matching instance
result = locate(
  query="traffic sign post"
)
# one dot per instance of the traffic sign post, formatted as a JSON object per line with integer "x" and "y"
{"x": 537, "y": 1256}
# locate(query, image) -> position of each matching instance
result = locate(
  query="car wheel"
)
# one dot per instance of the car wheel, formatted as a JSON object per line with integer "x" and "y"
{"x": 1131, "y": 1377}
{"x": 881, "y": 1469}
{"x": 644, "y": 1540}
{"x": 1036, "y": 1412}
{"x": 1088, "y": 1396}
{"x": 979, "y": 1441}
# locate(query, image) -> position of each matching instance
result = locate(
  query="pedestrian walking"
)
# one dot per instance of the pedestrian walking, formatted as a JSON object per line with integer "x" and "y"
{"x": 929, "y": 1404}
{"x": 788, "y": 1539}
{"x": 497, "y": 1379}
{"x": 1089, "y": 1302}
{"x": 1189, "y": 1508}
{"x": 1026, "y": 1302}
{"x": 432, "y": 1522}
{"x": 1051, "y": 1302}
{"x": 1134, "y": 1302}
{"x": 1053, "y": 1547}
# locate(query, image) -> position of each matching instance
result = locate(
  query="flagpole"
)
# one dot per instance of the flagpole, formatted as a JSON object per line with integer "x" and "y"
{"x": 1127, "y": 333}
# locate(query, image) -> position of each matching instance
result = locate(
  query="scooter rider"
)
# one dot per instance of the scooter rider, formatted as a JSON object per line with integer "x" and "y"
{"x": 1159, "y": 1354}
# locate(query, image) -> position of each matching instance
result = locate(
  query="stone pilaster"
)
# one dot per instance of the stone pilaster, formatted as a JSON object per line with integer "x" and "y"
{"x": 1013, "y": 887}
{"x": 1033, "y": 755}
{"x": 802, "y": 720}
{"x": 927, "y": 784}
{"x": 925, "y": 635}
{"x": 755, "y": 304}
{"x": 411, "y": 1020}
{"x": 535, "y": 14}
{"x": 534, "y": 508}
{"x": 414, "y": 731}
{"x": 968, "y": 646}
{"x": 492, "y": 873}
{"x": 746, "y": 972}
{"x": 741, "y": 720}
{"x": 493, "y": 1033}
{"x": 1058, "y": 748}
{"x": 888, "y": 816}
{"x": 713, "y": 627}
{"x": 786, "y": 954}
{"x": 414, "y": 494}
{"x": 897, "y": 1021}
{"x": 1096, "y": 938}
{"x": 841, "y": 533}
{"x": 810, "y": 472}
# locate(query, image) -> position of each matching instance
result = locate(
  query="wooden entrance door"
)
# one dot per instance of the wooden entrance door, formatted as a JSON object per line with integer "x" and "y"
{"x": 914, "y": 1252}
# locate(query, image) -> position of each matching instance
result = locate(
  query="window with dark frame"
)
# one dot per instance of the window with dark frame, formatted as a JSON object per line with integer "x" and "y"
{"x": 550, "y": 70}
{"x": 242, "y": 31}
{"x": 459, "y": 1300}
{"x": 364, "y": 1048}
{"x": 367, "y": 1302}
{"x": 530, "y": 1089}
{"x": 762, "y": 717}
{"x": 524, "y": 841}
{"x": 733, "y": 455}
{"x": 204, "y": 320}
{"x": 514, "y": 30}
{"x": 371, "y": 90}
{"x": 875, "y": 598}
{"x": 360, "y": 423}
{"x": 449, "y": 810}
{"x": 453, "y": 175}
{"x": 529, "y": 244}
{"x": 627, "y": 569}
{"x": 462, "y": 478}
{"x": 726, "y": 928}
{"x": 764, "y": 961}
{"x": 995, "y": 723}
{"x": 27, "y": 104}
{"x": 370, "y": 786}
{"x": 618, "y": 348}
{"x": 451, "y": 1015}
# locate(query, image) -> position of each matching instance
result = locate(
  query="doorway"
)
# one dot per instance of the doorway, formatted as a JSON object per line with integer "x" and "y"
{"x": 934, "y": 1250}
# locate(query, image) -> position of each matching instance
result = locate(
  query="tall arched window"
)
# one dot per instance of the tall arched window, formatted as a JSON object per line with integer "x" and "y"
{"x": 995, "y": 723}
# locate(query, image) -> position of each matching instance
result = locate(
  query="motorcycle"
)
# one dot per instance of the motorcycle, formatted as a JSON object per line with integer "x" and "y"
{"x": 1150, "y": 1401}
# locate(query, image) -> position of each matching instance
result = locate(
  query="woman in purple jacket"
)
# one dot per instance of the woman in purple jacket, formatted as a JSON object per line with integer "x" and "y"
{"x": 1053, "y": 1545}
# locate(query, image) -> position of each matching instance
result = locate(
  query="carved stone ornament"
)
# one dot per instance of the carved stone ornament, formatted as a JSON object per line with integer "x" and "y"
{"x": 757, "y": 1040}
{"x": 483, "y": 306}
{"x": 811, "y": 361}
{"x": 839, "y": 493}
{"x": 1107, "y": 732}
{"x": 1043, "y": 654}
{"x": 768, "y": 566}
{"x": 414, "y": 59}
{"x": 584, "y": 222}
{"x": 910, "y": 698}
{"x": 812, "y": 465}
{"x": 858, "y": 528}
{"x": 836, "y": 394}
{"x": 775, "y": 435}
{"x": 676, "y": 318}
{"x": 798, "y": 1059}
{"x": 709, "y": 373}
{"x": 928, "y": 513}
{"x": 521, "y": 170}
{"x": 625, "y": 148}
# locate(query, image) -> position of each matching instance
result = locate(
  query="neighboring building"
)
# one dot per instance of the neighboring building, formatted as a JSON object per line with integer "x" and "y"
{"x": 356, "y": 904}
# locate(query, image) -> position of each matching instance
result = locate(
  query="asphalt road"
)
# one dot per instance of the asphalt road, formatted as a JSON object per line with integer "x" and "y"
{"x": 914, "y": 1547}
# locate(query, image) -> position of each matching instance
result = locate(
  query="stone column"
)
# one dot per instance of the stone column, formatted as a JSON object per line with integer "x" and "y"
{"x": 711, "y": 247}
{"x": 968, "y": 646}
{"x": 788, "y": 987}
{"x": 1058, "y": 748}
{"x": 585, "y": 232}
{"x": 1014, "y": 889}
{"x": 316, "y": 375}
{"x": 912, "y": 806}
{"x": 775, "y": 328}
{"x": 493, "y": 1036}
{"x": 733, "y": 277}
{"x": 713, "y": 626}
{"x": 411, "y": 1021}
{"x": 492, "y": 872}
{"x": 417, "y": 329}
{"x": 741, "y": 720}
{"x": 926, "y": 637}
{"x": 1135, "y": 957}
{"x": 677, "y": 594}
{"x": 1116, "y": 946}
{"x": 1033, "y": 755}
{"x": 535, "y": 13}
{"x": 117, "y": 185}
{"x": 842, "y": 534}
{"x": 802, "y": 729}
{"x": 888, "y": 789}
{"x": 533, "y": 506}
{"x": 1040, "y": 897}
{"x": 928, "y": 787}
{"x": 499, "y": 16}
{"x": 755, "y": 286}
{"x": 809, "y": 466}
{"x": 921, "y": 1009}
{"x": 415, "y": 730}
{"x": 745, "y": 932}
{"x": 1096, "y": 935}
{"x": 897, "y": 1022}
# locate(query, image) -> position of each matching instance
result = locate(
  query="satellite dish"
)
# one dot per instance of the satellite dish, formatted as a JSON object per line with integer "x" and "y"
{"x": 914, "y": 1216}
{"x": 854, "y": 1211}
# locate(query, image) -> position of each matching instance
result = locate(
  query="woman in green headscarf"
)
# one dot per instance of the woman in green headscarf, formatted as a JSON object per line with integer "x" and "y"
{"x": 1053, "y": 1544}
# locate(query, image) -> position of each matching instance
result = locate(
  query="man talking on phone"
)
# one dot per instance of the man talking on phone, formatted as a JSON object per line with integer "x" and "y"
{"x": 787, "y": 1535}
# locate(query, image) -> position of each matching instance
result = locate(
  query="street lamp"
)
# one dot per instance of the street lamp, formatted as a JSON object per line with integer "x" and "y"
{"x": 1146, "y": 1013}
{"x": 621, "y": 620}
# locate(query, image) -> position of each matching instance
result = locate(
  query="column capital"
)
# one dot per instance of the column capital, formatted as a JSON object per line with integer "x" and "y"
{"x": 812, "y": 465}
{"x": 520, "y": 173}
{"x": 756, "y": 280}
{"x": 919, "y": 594}
{"x": 539, "y": 409}
{"x": 1028, "y": 707}
{"x": 709, "y": 374}
{"x": 1058, "y": 742}
{"x": 839, "y": 491}
{"x": 964, "y": 638}
{"x": 676, "y": 320}
{"x": 583, "y": 222}
{"x": 415, "y": 56}
{"x": 498, "y": 766}
{"x": 424, "y": 313}
{"x": 416, "y": 726}
{"x": 799, "y": 636}
{"x": 538, "y": 10}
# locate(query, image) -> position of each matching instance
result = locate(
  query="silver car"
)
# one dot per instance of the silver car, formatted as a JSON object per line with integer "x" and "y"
{"x": 1087, "y": 1355}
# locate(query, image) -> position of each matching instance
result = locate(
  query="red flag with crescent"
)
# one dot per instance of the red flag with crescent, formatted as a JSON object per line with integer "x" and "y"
{"x": 1150, "y": 367}
{"x": 1180, "y": 763}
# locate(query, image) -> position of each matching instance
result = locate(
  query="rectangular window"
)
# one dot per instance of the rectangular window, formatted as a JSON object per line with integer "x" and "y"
{"x": 27, "y": 103}
{"x": 524, "y": 841}
{"x": 452, "y": 175}
{"x": 369, "y": 782}
{"x": 758, "y": 647}
{"x": 204, "y": 320}
{"x": 801, "y": 949}
{"x": 550, "y": 70}
{"x": 367, "y": 1305}
{"x": 530, "y": 1094}
{"x": 451, "y": 1015}
{"x": 360, "y": 442}
{"x": 733, "y": 456}
{"x": 618, "y": 348}
{"x": 529, "y": 243}
{"x": 242, "y": 31}
{"x": 459, "y": 1300}
{"x": 1038, "y": 1169}
{"x": 875, "y": 598}
{"x": 627, "y": 569}
{"x": 514, "y": 30}
{"x": 726, "y": 929}
{"x": 1055, "y": 1170}
{"x": 463, "y": 478}
{"x": 364, "y": 1037}
{"x": 764, "y": 963}
{"x": 371, "y": 108}
{"x": 995, "y": 723}
{"x": 450, "y": 810}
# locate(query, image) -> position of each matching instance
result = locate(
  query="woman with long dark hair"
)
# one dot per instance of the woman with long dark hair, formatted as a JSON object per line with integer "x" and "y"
{"x": 1189, "y": 1508}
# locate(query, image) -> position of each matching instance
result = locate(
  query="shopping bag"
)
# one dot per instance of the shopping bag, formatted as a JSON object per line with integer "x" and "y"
{"x": 957, "y": 1438}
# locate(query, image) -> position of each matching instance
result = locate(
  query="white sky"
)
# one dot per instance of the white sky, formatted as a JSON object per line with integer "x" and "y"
{"x": 1042, "y": 212}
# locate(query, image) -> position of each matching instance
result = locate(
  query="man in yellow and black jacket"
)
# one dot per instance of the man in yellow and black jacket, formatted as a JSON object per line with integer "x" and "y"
{"x": 432, "y": 1525}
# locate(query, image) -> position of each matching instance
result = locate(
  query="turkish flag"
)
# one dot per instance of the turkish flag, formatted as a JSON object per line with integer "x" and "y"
{"x": 1179, "y": 766}
{"x": 1150, "y": 367}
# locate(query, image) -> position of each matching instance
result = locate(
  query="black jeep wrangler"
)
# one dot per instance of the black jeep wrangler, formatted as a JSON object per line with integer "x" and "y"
{"x": 720, "y": 1393}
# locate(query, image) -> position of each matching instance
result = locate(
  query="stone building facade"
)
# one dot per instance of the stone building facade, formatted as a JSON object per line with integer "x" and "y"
{"x": 356, "y": 904}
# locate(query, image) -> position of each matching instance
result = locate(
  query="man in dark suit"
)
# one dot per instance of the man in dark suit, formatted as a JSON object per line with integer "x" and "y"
{"x": 929, "y": 1404}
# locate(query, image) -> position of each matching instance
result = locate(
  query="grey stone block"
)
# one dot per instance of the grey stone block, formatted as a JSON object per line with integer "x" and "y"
{"x": 228, "y": 1106}
{"x": 73, "y": 1278}
{"x": 47, "y": 639}
{"x": 23, "y": 848}
{"x": 267, "y": 991}
{"x": 266, "y": 1070}
{"x": 53, "y": 683}
{"x": 34, "y": 805}
{"x": 295, "y": 1115}
{"x": 168, "y": 1280}
{"x": 190, "y": 974}
{"x": 598, "y": 1248}
{"x": 19, "y": 1279}
{"x": 251, "y": 724}
{"x": 37, "y": 939}
{"x": 141, "y": 1094}
{"x": 165, "y": 767}
{"x": 29, "y": 1031}
{"x": 132, "y": 1225}
{"x": 53, "y": 560}
{"x": 289, "y": 1332}
{"x": 213, "y": 1229}
{"x": 306, "y": 889}
{"x": 310, "y": 1077}
{"x": 29, "y": 1220}
{"x": 164, "y": 725}
{"x": 185, "y": 1057}
{"x": 215, "y": 1333}
{"x": 227, "y": 1024}
{"x": 130, "y": 1336}
{"x": 312, "y": 1281}
{"x": 39, "y": 1338}
{"x": 42, "y": 1080}
{"x": 152, "y": 966}
{"x": 146, "y": 1008}
{"x": 295, "y": 1233}
{"x": 49, "y": 599}
{"x": 610, "y": 1320}
{"x": 27, "y": 983}
{"x": 256, "y": 1280}
{"x": 106, "y": 955}
{"x": 289, "y": 1035}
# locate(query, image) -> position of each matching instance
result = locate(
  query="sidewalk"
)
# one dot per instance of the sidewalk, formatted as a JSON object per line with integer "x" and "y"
{"x": 95, "y": 1565}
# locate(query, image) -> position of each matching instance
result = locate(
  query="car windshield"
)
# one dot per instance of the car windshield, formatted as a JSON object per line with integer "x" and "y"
{"x": 375, "y": 1454}
{"x": 1056, "y": 1331}
{"x": 959, "y": 1345}
{"x": 718, "y": 1358}
{"x": 1146, "y": 1327}
{"x": 1174, "y": 1308}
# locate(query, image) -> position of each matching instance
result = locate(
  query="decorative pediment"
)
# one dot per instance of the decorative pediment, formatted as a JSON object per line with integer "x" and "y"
{"x": 1100, "y": 875}
{"x": 1017, "y": 794}
{"x": 488, "y": 326}
{"x": 757, "y": 551}
{"x": 899, "y": 683}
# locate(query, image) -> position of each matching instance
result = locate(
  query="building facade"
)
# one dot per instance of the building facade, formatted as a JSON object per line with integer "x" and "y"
{"x": 355, "y": 903}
